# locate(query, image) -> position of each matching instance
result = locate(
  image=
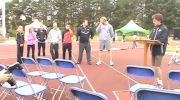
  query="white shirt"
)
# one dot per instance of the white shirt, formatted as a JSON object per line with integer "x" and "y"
{"x": 55, "y": 35}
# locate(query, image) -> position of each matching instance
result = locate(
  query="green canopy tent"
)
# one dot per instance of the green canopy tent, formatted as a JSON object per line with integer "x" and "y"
{"x": 131, "y": 27}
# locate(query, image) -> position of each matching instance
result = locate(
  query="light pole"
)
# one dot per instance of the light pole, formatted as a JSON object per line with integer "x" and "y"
{"x": 3, "y": 18}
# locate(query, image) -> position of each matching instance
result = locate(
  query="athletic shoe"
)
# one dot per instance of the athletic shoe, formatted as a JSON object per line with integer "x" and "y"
{"x": 78, "y": 63}
{"x": 89, "y": 63}
{"x": 111, "y": 63}
{"x": 99, "y": 63}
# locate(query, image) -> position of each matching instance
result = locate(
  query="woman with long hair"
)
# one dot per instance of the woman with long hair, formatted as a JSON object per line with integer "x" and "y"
{"x": 20, "y": 43}
{"x": 31, "y": 41}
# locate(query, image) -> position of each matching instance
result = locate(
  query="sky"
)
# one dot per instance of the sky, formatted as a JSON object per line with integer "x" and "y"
{"x": 6, "y": 1}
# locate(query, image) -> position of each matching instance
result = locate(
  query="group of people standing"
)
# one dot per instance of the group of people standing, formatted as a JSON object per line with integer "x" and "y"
{"x": 84, "y": 34}
{"x": 55, "y": 36}
{"x": 30, "y": 38}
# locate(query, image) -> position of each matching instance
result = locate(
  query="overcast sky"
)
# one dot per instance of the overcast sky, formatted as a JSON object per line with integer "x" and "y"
{"x": 2, "y": 3}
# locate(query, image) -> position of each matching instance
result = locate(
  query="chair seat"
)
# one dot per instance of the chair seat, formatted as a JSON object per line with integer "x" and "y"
{"x": 52, "y": 76}
{"x": 36, "y": 73}
{"x": 27, "y": 90}
{"x": 72, "y": 79}
{"x": 135, "y": 87}
{"x": 18, "y": 84}
{"x": 177, "y": 90}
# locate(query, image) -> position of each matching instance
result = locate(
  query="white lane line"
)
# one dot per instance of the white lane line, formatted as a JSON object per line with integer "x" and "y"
{"x": 117, "y": 97}
{"x": 92, "y": 88}
{"x": 111, "y": 67}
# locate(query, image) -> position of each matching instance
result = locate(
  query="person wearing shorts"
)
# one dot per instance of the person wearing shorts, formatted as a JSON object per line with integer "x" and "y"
{"x": 160, "y": 33}
{"x": 106, "y": 33}
{"x": 157, "y": 60}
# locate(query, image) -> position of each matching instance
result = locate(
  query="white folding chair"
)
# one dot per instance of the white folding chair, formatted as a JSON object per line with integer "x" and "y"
{"x": 140, "y": 72}
{"x": 46, "y": 62}
{"x": 83, "y": 94}
{"x": 68, "y": 79}
{"x": 8, "y": 88}
{"x": 174, "y": 76}
{"x": 31, "y": 63}
{"x": 34, "y": 90}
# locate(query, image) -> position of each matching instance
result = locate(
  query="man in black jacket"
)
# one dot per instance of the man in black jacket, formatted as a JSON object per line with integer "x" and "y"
{"x": 41, "y": 36}
{"x": 84, "y": 32}
{"x": 160, "y": 33}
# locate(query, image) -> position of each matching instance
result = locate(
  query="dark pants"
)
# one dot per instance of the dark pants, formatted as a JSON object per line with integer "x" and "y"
{"x": 67, "y": 46}
{"x": 28, "y": 50}
{"x": 87, "y": 47}
{"x": 54, "y": 48}
{"x": 19, "y": 53}
{"x": 41, "y": 45}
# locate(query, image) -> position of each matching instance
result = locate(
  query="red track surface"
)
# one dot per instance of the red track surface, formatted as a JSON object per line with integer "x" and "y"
{"x": 103, "y": 78}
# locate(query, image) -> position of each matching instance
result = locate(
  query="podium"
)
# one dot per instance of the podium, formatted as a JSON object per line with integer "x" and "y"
{"x": 146, "y": 43}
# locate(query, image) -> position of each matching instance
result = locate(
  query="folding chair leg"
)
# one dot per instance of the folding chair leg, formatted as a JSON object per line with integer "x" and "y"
{"x": 3, "y": 92}
{"x": 40, "y": 96}
{"x": 56, "y": 92}
{"x": 6, "y": 93}
{"x": 67, "y": 94}
{"x": 61, "y": 92}
{"x": 132, "y": 96}
{"x": 82, "y": 85}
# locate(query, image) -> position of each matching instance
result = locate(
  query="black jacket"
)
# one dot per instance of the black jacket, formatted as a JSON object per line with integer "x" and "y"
{"x": 20, "y": 38}
{"x": 159, "y": 33}
{"x": 41, "y": 35}
{"x": 84, "y": 33}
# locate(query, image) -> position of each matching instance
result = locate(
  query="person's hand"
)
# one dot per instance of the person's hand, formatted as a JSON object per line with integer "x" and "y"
{"x": 21, "y": 45}
{"x": 4, "y": 77}
{"x": 101, "y": 21}
{"x": 77, "y": 42}
{"x": 159, "y": 42}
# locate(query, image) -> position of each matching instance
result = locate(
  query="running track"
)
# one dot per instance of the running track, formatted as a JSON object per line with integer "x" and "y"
{"x": 103, "y": 78}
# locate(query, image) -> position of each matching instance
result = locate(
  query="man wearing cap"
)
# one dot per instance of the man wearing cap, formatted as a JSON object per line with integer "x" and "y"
{"x": 106, "y": 33}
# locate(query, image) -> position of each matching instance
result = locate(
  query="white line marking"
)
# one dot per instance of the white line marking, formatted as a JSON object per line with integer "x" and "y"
{"x": 92, "y": 88}
{"x": 116, "y": 70}
{"x": 117, "y": 97}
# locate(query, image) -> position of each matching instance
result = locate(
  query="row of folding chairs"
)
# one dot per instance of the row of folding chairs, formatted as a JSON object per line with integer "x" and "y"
{"x": 157, "y": 94}
{"x": 146, "y": 72}
{"x": 27, "y": 88}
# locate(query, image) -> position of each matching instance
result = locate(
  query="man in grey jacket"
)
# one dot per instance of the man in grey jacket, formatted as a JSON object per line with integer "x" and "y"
{"x": 106, "y": 33}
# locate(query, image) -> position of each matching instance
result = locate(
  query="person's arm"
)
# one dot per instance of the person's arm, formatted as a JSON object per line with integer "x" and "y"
{"x": 63, "y": 35}
{"x": 34, "y": 35}
{"x": 163, "y": 36}
{"x": 71, "y": 32}
{"x": 78, "y": 34}
{"x": 17, "y": 38}
{"x": 91, "y": 33}
{"x": 37, "y": 35}
{"x": 49, "y": 36}
{"x": 112, "y": 33}
{"x": 45, "y": 32}
{"x": 98, "y": 29}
